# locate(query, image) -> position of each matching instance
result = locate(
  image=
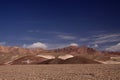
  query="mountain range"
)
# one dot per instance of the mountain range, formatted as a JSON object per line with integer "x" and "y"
{"x": 68, "y": 55}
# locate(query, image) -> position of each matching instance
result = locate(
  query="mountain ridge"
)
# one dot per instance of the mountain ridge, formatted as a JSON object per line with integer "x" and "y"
{"x": 17, "y": 55}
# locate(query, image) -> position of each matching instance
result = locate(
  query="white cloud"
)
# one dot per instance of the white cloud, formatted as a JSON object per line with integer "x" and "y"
{"x": 2, "y": 43}
{"x": 66, "y": 37}
{"x": 84, "y": 39}
{"x": 95, "y": 46}
{"x": 61, "y": 45}
{"x": 114, "y": 48}
{"x": 73, "y": 44}
{"x": 105, "y": 38}
{"x": 36, "y": 45}
{"x": 105, "y": 41}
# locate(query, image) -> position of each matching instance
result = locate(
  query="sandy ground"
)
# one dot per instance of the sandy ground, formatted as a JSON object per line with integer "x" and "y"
{"x": 60, "y": 72}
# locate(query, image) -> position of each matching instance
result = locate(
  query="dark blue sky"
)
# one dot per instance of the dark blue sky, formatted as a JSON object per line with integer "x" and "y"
{"x": 60, "y": 22}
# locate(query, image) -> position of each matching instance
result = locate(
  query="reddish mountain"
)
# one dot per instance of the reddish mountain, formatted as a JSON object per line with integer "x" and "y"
{"x": 77, "y": 50}
{"x": 81, "y": 51}
{"x": 19, "y": 50}
{"x": 111, "y": 53}
{"x": 12, "y": 53}
{"x": 18, "y": 55}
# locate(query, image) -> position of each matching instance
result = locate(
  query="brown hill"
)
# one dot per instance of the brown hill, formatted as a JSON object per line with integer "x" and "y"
{"x": 74, "y": 60}
{"x": 29, "y": 60}
{"x": 79, "y": 60}
{"x": 12, "y": 53}
{"x": 53, "y": 61}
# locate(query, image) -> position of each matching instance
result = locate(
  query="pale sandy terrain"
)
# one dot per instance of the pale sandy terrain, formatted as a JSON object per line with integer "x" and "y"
{"x": 60, "y": 72}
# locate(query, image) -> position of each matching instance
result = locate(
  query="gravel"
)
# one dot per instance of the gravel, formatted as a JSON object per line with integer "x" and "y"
{"x": 60, "y": 72}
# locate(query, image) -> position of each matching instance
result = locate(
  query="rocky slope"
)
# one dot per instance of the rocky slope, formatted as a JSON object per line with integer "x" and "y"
{"x": 73, "y": 60}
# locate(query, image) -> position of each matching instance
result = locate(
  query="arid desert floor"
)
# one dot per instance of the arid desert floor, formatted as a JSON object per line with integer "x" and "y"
{"x": 60, "y": 72}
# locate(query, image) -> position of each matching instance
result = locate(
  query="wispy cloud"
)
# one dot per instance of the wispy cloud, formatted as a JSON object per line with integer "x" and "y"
{"x": 105, "y": 38}
{"x": 33, "y": 31}
{"x": 105, "y": 41}
{"x": 97, "y": 32}
{"x": 57, "y": 33}
{"x": 48, "y": 32}
{"x": 84, "y": 39}
{"x": 28, "y": 38}
{"x": 2, "y": 43}
{"x": 114, "y": 47}
{"x": 97, "y": 40}
{"x": 32, "y": 39}
{"x": 66, "y": 37}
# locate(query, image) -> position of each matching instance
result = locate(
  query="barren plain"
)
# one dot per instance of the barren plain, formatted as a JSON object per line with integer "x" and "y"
{"x": 60, "y": 72}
